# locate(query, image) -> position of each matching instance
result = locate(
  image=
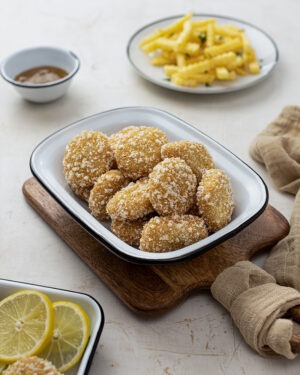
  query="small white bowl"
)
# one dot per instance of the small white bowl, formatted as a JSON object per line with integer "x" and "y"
{"x": 35, "y": 57}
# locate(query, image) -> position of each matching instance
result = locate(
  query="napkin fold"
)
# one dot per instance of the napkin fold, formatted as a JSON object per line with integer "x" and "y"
{"x": 278, "y": 147}
{"x": 257, "y": 304}
{"x": 284, "y": 260}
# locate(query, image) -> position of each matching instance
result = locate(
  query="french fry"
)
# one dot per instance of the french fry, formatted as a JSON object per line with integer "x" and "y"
{"x": 174, "y": 27}
{"x": 254, "y": 67}
{"x": 184, "y": 36}
{"x": 170, "y": 70}
{"x": 210, "y": 35}
{"x": 233, "y": 45}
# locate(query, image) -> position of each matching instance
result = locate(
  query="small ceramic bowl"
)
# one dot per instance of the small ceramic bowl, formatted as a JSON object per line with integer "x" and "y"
{"x": 35, "y": 57}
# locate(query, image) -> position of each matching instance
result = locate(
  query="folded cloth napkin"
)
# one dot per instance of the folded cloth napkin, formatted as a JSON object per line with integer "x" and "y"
{"x": 278, "y": 147}
{"x": 257, "y": 304}
{"x": 284, "y": 260}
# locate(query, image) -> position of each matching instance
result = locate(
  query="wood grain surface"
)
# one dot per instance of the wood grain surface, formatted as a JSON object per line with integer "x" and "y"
{"x": 155, "y": 289}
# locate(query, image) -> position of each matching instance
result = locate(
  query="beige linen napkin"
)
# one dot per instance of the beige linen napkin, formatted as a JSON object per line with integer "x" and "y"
{"x": 256, "y": 304}
{"x": 278, "y": 147}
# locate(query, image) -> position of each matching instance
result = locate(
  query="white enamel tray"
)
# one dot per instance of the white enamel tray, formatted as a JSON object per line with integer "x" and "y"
{"x": 88, "y": 303}
{"x": 265, "y": 47}
{"x": 250, "y": 192}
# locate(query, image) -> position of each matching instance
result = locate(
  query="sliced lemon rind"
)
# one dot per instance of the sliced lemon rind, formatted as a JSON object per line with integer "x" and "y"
{"x": 49, "y": 323}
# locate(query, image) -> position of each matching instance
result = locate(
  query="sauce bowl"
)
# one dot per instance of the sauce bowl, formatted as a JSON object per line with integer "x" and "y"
{"x": 35, "y": 57}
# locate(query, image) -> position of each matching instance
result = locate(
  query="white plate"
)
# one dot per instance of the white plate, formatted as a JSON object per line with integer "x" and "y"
{"x": 88, "y": 303}
{"x": 265, "y": 47}
{"x": 250, "y": 192}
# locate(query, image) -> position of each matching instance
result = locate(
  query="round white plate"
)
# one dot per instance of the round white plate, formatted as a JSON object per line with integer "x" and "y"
{"x": 265, "y": 47}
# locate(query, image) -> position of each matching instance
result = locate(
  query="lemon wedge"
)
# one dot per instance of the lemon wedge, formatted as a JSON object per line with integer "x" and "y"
{"x": 26, "y": 324}
{"x": 70, "y": 335}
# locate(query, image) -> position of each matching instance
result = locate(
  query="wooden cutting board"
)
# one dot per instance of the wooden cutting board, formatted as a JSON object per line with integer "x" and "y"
{"x": 155, "y": 289}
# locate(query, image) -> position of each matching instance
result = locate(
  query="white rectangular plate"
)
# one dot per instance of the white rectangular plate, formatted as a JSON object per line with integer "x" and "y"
{"x": 250, "y": 192}
{"x": 88, "y": 303}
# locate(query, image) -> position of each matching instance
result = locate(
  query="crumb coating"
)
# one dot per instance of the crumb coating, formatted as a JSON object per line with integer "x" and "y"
{"x": 194, "y": 154}
{"x": 169, "y": 233}
{"x": 31, "y": 366}
{"x": 214, "y": 199}
{"x": 129, "y": 231}
{"x": 105, "y": 188}
{"x": 137, "y": 150}
{"x": 86, "y": 158}
{"x": 131, "y": 202}
{"x": 172, "y": 186}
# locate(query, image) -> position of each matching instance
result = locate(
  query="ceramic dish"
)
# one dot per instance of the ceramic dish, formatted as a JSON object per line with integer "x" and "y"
{"x": 88, "y": 303}
{"x": 35, "y": 57}
{"x": 265, "y": 47}
{"x": 250, "y": 192}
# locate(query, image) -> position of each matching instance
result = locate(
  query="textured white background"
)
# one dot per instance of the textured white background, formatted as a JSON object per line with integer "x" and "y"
{"x": 196, "y": 337}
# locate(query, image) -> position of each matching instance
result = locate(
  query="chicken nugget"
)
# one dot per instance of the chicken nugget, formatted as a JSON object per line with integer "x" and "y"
{"x": 117, "y": 138}
{"x": 86, "y": 158}
{"x": 105, "y": 188}
{"x": 129, "y": 231}
{"x": 162, "y": 234}
{"x": 172, "y": 187}
{"x": 137, "y": 150}
{"x": 31, "y": 365}
{"x": 131, "y": 202}
{"x": 82, "y": 193}
{"x": 214, "y": 199}
{"x": 194, "y": 154}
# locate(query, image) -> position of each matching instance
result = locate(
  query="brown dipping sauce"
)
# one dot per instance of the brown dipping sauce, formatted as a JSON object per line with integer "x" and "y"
{"x": 41, "y": 74}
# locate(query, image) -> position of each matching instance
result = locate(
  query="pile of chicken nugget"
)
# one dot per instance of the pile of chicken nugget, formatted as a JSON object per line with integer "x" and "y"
{"x": 160, "y": 196}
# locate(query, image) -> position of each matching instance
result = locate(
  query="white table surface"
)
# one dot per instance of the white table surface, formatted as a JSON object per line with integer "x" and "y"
{"x": 198, "y": 336}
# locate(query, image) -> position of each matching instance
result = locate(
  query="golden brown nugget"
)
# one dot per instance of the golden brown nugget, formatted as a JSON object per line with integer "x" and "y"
{"x": 82, "y": 193}
{"x": 31, "y": 366}
{"x": 129, "y": 231}
{"x": 117, "y": 138}
{"x": 138, "y": 150}
{"x": 105, "y": 188}
{"x": 172, "y": 187}
{"x": 86, "y": 158}
{"x": 131, "y": 202}
{"x": 214, "y": 199}
{"x": 162, "y": 234}
{"x": 194, "y": 154}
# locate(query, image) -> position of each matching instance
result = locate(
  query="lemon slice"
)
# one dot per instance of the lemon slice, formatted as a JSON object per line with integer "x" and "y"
{"x": 26, "y": 324}
{"x": 2, "y": 367}
{"x": 70, "y": 335}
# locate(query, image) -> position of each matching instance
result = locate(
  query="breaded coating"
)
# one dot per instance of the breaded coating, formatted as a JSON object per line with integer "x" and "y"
{"x": 31, "y": 366}
{"x": 162, "y": 234}
{"x": 137, "y": 150}
{"x": 129, "y": 231}
{"x": 86, "y": 158}
{"x": 82, "y": 193}
{"x": 116, "y": 138}
{"x": 172, "y": 187}
{"x": 194, "y": 154}
{"x": 130, "y": 203}
{"x": 214, "y": 199}
{"x": 105, "y": 188}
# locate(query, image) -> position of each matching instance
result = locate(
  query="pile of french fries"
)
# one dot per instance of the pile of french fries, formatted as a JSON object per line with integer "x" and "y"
{"x": 194, "y": 52}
